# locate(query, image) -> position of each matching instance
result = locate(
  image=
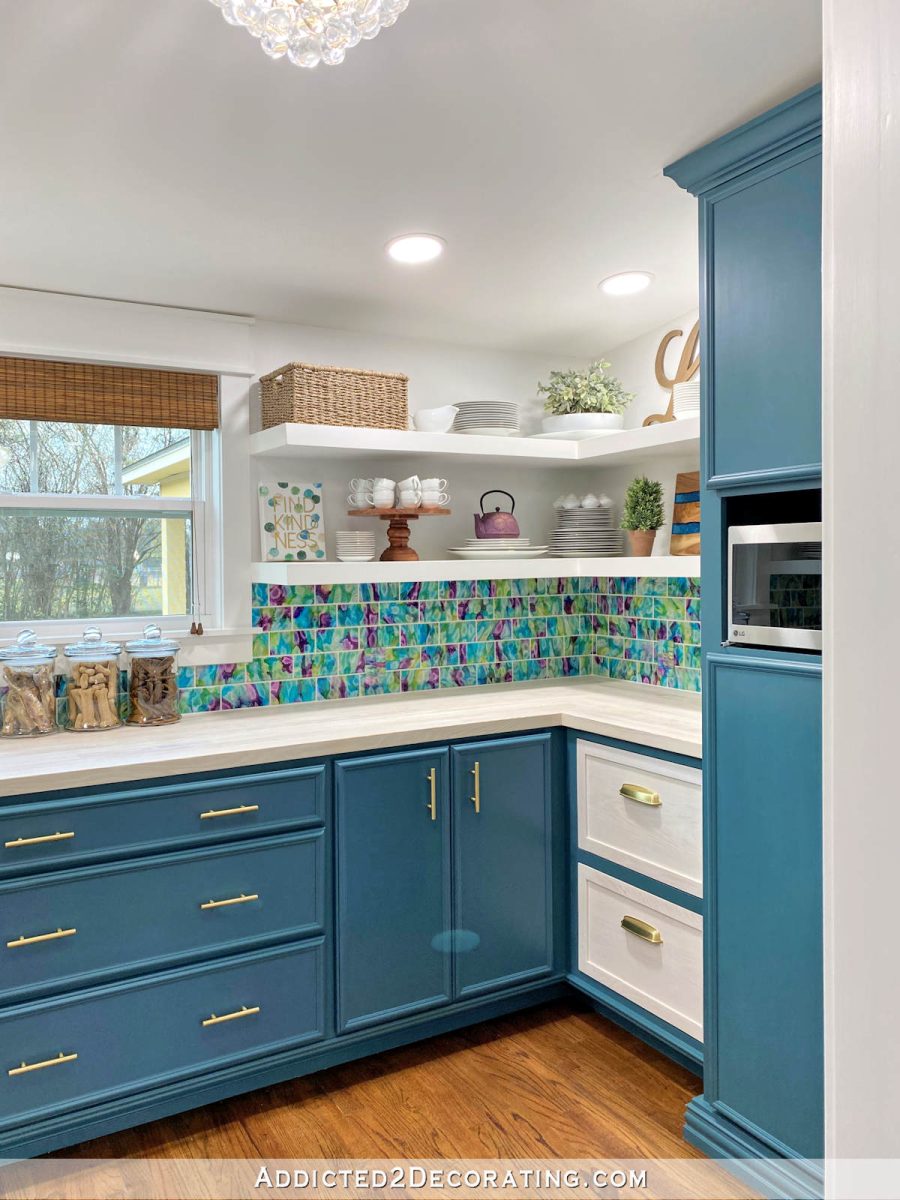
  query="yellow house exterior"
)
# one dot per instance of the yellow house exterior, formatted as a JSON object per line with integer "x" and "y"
{"x": 171, "y": 470}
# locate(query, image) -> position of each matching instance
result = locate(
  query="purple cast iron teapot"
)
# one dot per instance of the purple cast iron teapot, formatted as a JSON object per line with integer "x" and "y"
{"x": 496, "y": 524}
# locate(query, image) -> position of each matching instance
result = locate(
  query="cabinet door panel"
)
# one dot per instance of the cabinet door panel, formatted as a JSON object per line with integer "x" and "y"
{"x": 767, "y": 784}
{"x": 502, "y": 851}
{"x": 393, "y": 886}
{"x": 766, "y": 313}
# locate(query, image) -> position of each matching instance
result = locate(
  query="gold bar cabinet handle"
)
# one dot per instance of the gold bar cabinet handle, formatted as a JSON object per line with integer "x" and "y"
{"x": 432, "y": 803}
{"x": 41, "y": 937}
{"x": 39, "y": 1066}
{"x": 243, "y": 1011}
{"x": 476, "y": 799}
{"x": 36, "y": 841}
{"x": 641, "y": 929}
{"x": 241, "y": 899}
{"x": 229, "y": 812}
{"x": 640, "y": 795}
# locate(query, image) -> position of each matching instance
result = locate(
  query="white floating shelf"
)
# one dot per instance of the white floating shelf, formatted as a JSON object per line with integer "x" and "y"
{"x": 653, "y": 442}
{"x": 457, "y": 568}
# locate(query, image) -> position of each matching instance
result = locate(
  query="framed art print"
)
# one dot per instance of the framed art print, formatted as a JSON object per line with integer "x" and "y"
{"x": 291, "y": 523}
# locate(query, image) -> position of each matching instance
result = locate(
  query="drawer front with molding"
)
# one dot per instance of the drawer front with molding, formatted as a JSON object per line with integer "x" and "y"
{"x": 100, "y": 1044}
{"x": 59, "y": 832}
{"x": 646, "y": 949}
{"x": 642, "y": 813}
{"x": 125, "y": 917}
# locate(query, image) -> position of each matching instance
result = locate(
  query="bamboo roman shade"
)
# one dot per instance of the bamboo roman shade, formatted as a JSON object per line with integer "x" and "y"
{"x": 33, "y": 389}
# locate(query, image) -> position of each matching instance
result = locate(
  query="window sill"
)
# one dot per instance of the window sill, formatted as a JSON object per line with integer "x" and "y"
{"x": 210, "y": 647}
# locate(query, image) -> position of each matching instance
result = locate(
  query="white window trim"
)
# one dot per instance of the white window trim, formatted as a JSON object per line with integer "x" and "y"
{"x": 205, "y": 533}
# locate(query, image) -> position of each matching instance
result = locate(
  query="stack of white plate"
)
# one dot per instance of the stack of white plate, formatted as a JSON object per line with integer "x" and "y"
{"x": 498, "y": 418}
{"x": 355, "y": 546}
{"x": 585, "y": 533}
{"x": 687, "y": 398}
{"x": 520, "y": 547}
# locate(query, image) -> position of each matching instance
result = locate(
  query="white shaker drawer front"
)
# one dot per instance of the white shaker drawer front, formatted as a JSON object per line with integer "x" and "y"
{"x": 644, "y": 948}
{"x": 641, "y": 813}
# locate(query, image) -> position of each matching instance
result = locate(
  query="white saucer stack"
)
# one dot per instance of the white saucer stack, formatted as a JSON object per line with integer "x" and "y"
{"x": 496, "y": 418}
{"x": 355, "y": 546}
{"x": 586, "y": 533}
{"x": 520, "y": 547}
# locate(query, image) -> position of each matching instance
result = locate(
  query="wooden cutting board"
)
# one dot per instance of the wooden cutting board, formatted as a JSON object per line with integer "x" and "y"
{"x": 686, "y": 514}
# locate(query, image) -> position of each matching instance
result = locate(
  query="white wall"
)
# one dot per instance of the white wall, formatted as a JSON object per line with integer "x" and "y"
{"x": 439, "y": 374}
{"x": 862, "y": 583}
{"x": 634, "y": 363}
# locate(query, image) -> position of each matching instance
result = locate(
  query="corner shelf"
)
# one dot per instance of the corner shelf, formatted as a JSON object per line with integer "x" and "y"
{"x": 627, "y": 446}
{"x": 661, "y": 566}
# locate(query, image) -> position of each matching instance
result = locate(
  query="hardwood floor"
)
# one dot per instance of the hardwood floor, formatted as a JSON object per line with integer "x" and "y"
{"x": 553, "y": 1082}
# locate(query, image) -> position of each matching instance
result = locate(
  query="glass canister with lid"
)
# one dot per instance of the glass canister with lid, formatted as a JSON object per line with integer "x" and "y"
{"x": 153, "y": 679}
{"x": 92, "y": 683}
{"x": 28, "y": 703}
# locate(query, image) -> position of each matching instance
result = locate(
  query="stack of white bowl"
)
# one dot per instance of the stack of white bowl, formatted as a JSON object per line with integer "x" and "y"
{"x": 355, "y": 545}
{"x": 496, "y": 418}
{"x": 686, "y": 398}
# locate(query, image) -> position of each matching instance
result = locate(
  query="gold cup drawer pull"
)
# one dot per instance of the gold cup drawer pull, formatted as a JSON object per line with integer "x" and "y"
{"x": 36, "y": 841}
{"x": 229, "y": 812}
{"x": 39, "y": 1066}
{"x": 642, "y": 929}
{"x": 476, "y": 799}
{"x": 241, "y": 899}
{"x": 41, "y": 937}
{"x": 640, "y": 795}
{"x": 243, "y": 1011}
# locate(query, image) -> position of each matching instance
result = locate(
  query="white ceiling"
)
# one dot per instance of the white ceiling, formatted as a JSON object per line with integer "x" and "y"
{"x": 152, "y": 152}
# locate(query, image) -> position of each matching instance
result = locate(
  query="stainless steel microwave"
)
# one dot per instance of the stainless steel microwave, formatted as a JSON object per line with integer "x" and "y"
{"x": 775, "y": 586}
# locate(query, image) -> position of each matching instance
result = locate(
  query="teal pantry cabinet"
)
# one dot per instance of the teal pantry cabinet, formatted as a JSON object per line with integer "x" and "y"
{"x": 457, "y": 847}
{"x": 759, "y": 191}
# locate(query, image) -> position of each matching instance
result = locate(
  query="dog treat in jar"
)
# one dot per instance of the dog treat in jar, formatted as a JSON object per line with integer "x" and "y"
{"x": 28, "y": 703}
{"x": 153, "y": 679}
{"x": 92, "y": 683}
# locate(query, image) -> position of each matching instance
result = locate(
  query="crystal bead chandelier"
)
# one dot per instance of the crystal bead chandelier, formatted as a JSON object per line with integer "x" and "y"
{"x": 311, "y": 31}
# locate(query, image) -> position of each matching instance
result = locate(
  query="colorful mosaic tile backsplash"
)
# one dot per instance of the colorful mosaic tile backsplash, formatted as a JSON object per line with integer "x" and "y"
{"x": 324, "y": 642}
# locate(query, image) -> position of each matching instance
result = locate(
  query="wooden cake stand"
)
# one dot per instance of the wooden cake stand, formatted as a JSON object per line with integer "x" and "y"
{"x": 398, "y": 520}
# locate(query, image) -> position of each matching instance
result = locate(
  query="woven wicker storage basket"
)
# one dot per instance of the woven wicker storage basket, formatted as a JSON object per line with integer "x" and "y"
{"x": 334, "y": 396}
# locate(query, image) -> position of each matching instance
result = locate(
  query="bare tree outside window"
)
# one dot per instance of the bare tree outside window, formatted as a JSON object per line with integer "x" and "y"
{"x": 58, "y": 562}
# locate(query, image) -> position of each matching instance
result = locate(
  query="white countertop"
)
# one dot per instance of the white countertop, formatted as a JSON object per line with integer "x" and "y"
{"x": 661, "y": 718}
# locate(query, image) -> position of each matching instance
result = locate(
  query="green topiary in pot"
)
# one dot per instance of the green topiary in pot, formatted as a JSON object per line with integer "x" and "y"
{"x": 588, "y": 399}
{"x": 643, "y": 514}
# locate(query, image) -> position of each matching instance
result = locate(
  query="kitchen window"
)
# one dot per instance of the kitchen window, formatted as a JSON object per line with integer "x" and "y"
{"x": 103, "y": 521}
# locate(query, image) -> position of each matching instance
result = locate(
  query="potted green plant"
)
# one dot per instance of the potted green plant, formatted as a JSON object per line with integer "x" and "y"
{"x": 589, "y": 400}
{"x": 643, "y": 514}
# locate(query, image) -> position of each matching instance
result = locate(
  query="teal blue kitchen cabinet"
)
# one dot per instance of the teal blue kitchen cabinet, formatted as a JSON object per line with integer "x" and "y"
{"x": 764, "y": 921}
{"x": 760, "y": 192}
{"x": 502, "y": 863}
{"x": 445, "y": 881}
{"x": 392, "y": 825}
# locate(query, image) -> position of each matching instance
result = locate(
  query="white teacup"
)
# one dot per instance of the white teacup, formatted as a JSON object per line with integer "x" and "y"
{"x": 360, "y": 500}
{"x": 361, "y": 486}
{"x": 383, "y": 499}
{"x": 382, "y": 485}
{"x": 434, "y": 499}
{"x": 433, "y": 485}
{"x": 413, "y": 484}
{"x": 410, "y": 499}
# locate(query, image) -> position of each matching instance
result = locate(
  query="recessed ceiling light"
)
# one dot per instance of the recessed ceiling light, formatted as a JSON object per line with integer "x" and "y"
{"x": 415, "y": 248}
{"x": 626, "y": 283}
